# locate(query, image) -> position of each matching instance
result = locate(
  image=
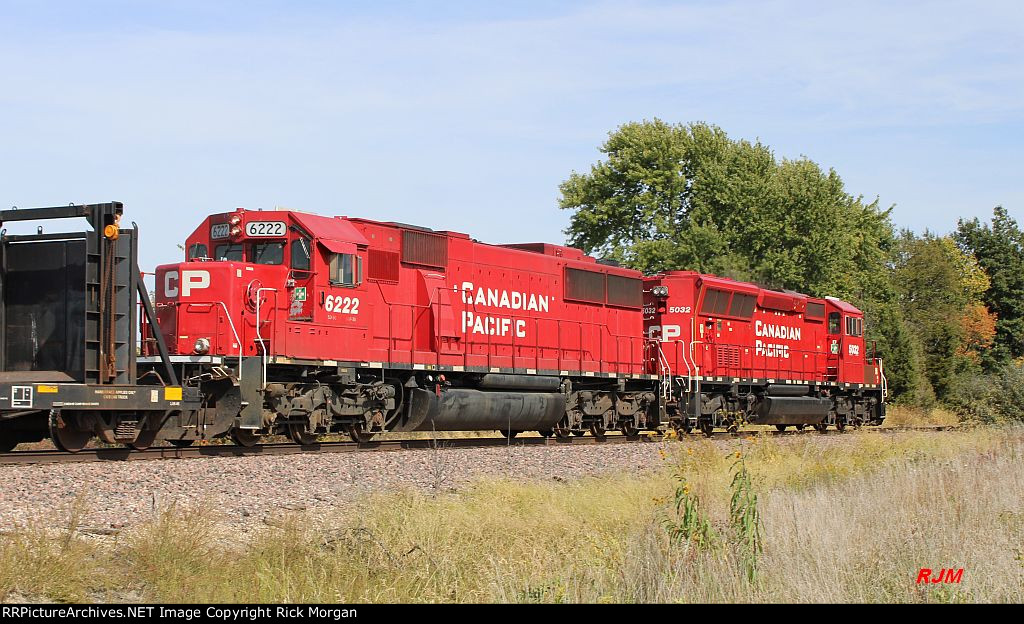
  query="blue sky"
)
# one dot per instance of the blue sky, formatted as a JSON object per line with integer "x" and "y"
{"x": 467, "y": 115}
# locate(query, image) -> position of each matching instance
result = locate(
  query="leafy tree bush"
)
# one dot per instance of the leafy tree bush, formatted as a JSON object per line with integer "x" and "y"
{"x": 675, "y": 197}
{"x": 999, "y": 250}
{"x": 995, "y": 397}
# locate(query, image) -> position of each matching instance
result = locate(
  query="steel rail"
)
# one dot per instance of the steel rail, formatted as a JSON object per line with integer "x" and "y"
{"x": 223, "y": 450}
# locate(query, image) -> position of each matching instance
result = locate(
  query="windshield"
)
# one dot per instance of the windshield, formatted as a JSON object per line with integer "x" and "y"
{"x": 229, "y": 252}
{"x": 268, "y": 253}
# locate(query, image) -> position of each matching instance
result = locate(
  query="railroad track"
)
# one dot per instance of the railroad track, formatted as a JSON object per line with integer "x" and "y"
{"x": 223, "y": 450}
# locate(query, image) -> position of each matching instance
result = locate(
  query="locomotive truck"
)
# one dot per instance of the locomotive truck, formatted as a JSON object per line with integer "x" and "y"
{"x": 285, "y": 322}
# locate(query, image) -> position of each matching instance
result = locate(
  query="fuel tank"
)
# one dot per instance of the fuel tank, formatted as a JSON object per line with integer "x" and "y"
{"x": 460, "y": 409}
{"x": 494, "y": 381}
{"x": 775, "y": 410}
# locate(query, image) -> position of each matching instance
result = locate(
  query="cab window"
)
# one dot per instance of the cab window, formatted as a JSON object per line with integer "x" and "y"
{"x": 854, "y": 326}
{"x": 268, "y": 253}
{"x": 833, "y": 323}
{"x": 300, "y": 254}
{"x": 197, "y": 251}
{"x": 230, "y": 252}
{"x": 346, "y": 270}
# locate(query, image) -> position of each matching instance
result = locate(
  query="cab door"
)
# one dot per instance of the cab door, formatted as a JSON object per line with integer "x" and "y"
{"x": 834, "y": 340}
{"x": 845, "y": 347}
{"x": 300, "y": 280}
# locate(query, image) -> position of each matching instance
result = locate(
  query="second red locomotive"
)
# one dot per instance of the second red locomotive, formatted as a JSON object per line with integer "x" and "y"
{"x": 731, "y": 352}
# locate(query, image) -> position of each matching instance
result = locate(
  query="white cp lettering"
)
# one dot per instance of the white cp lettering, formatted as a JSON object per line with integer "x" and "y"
{"x": 667, "y": 332}
{"x": 190, "y": 280}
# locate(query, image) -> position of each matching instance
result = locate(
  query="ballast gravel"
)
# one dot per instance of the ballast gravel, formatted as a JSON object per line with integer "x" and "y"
{"x": 248, "y": 492}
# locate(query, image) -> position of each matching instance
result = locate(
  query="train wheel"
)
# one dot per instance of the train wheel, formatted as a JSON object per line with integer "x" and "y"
{"x": 144, "y": 440}
{"x": 546, "y": 433}
{"x": 598, "y": 431}
{"x": 800, "y": 427}
{"x": 821, "y": 427}
{"x": 245, "y": 437}
{"x": 733, "y": 428}
{"x": 707, "y": 428}
{"x": 781, "y": 427}
{"x": 358, "y": 434}
{"x": 841, "y": 425}
{"x": 65, "y": 436}
{"x": 505, "y": 433}
{"x": 298, "y": 434}
{"x": 7, "y": 445}
{"x": 579, "y": 432}
{"x": 181, "y": 443}
{"x": 630, "y": 431}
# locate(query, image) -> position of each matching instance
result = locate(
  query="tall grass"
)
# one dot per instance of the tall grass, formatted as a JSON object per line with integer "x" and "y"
{"x": 911, "y": 415}
{"x": 850, "y": 518}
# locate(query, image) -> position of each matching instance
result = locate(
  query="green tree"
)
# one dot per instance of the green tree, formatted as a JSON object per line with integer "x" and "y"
{"x": 902, "y": 354}
{"x": 999, "y": 249}
{"x": 686, "y": 196}
{"x": 939, "y": 286}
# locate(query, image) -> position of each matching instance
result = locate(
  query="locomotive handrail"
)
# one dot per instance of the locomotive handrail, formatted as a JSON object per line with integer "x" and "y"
{"x": 693, "y": 358}
{"x": 885, "y": 382}
{"x": 417, "y": 312}
{"x": 666, "y": 372}
{"x": 227, "y": 315}
{"x": 808, "y": 367}
{"x": 259, "y": 334}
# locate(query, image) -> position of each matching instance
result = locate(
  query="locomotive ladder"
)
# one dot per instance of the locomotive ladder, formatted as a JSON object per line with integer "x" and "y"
{"x": 664, "y": 375}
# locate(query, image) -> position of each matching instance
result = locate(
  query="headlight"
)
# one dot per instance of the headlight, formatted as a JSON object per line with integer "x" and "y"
{"x": 660, "y": 291}
{"x": 202, "y": 346}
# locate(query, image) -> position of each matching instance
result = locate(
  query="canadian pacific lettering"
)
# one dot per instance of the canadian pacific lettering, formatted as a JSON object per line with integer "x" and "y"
{"x": 473, "y": 322}
{"x": 778, "y": 332}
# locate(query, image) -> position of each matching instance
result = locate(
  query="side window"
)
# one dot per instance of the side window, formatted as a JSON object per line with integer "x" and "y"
{"x": 716, "y": 302}
{"x": 198, "y": 250}
{"x": 854, "y": 326}
{"x": 234, "y": 253}
{"x": 833, "y": 323}
{"x": 300, "y": 254}
{"x": 346, "y": 270}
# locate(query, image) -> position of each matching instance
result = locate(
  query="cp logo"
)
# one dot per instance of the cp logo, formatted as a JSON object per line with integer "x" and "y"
{"x": 185, "y": 283}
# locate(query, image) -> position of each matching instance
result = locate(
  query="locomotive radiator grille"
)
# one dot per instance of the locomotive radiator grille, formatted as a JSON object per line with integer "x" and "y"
{"x": 727, "y": 356}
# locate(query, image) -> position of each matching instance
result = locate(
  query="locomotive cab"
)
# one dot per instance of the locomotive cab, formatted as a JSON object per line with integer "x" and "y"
{"x": 259, "y": 282}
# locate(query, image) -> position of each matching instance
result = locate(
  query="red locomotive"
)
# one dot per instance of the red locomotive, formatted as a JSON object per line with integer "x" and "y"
{"x": 364, "y": 326}
{"x": 732, "y": 352}
{"x": 295, "y": 323}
